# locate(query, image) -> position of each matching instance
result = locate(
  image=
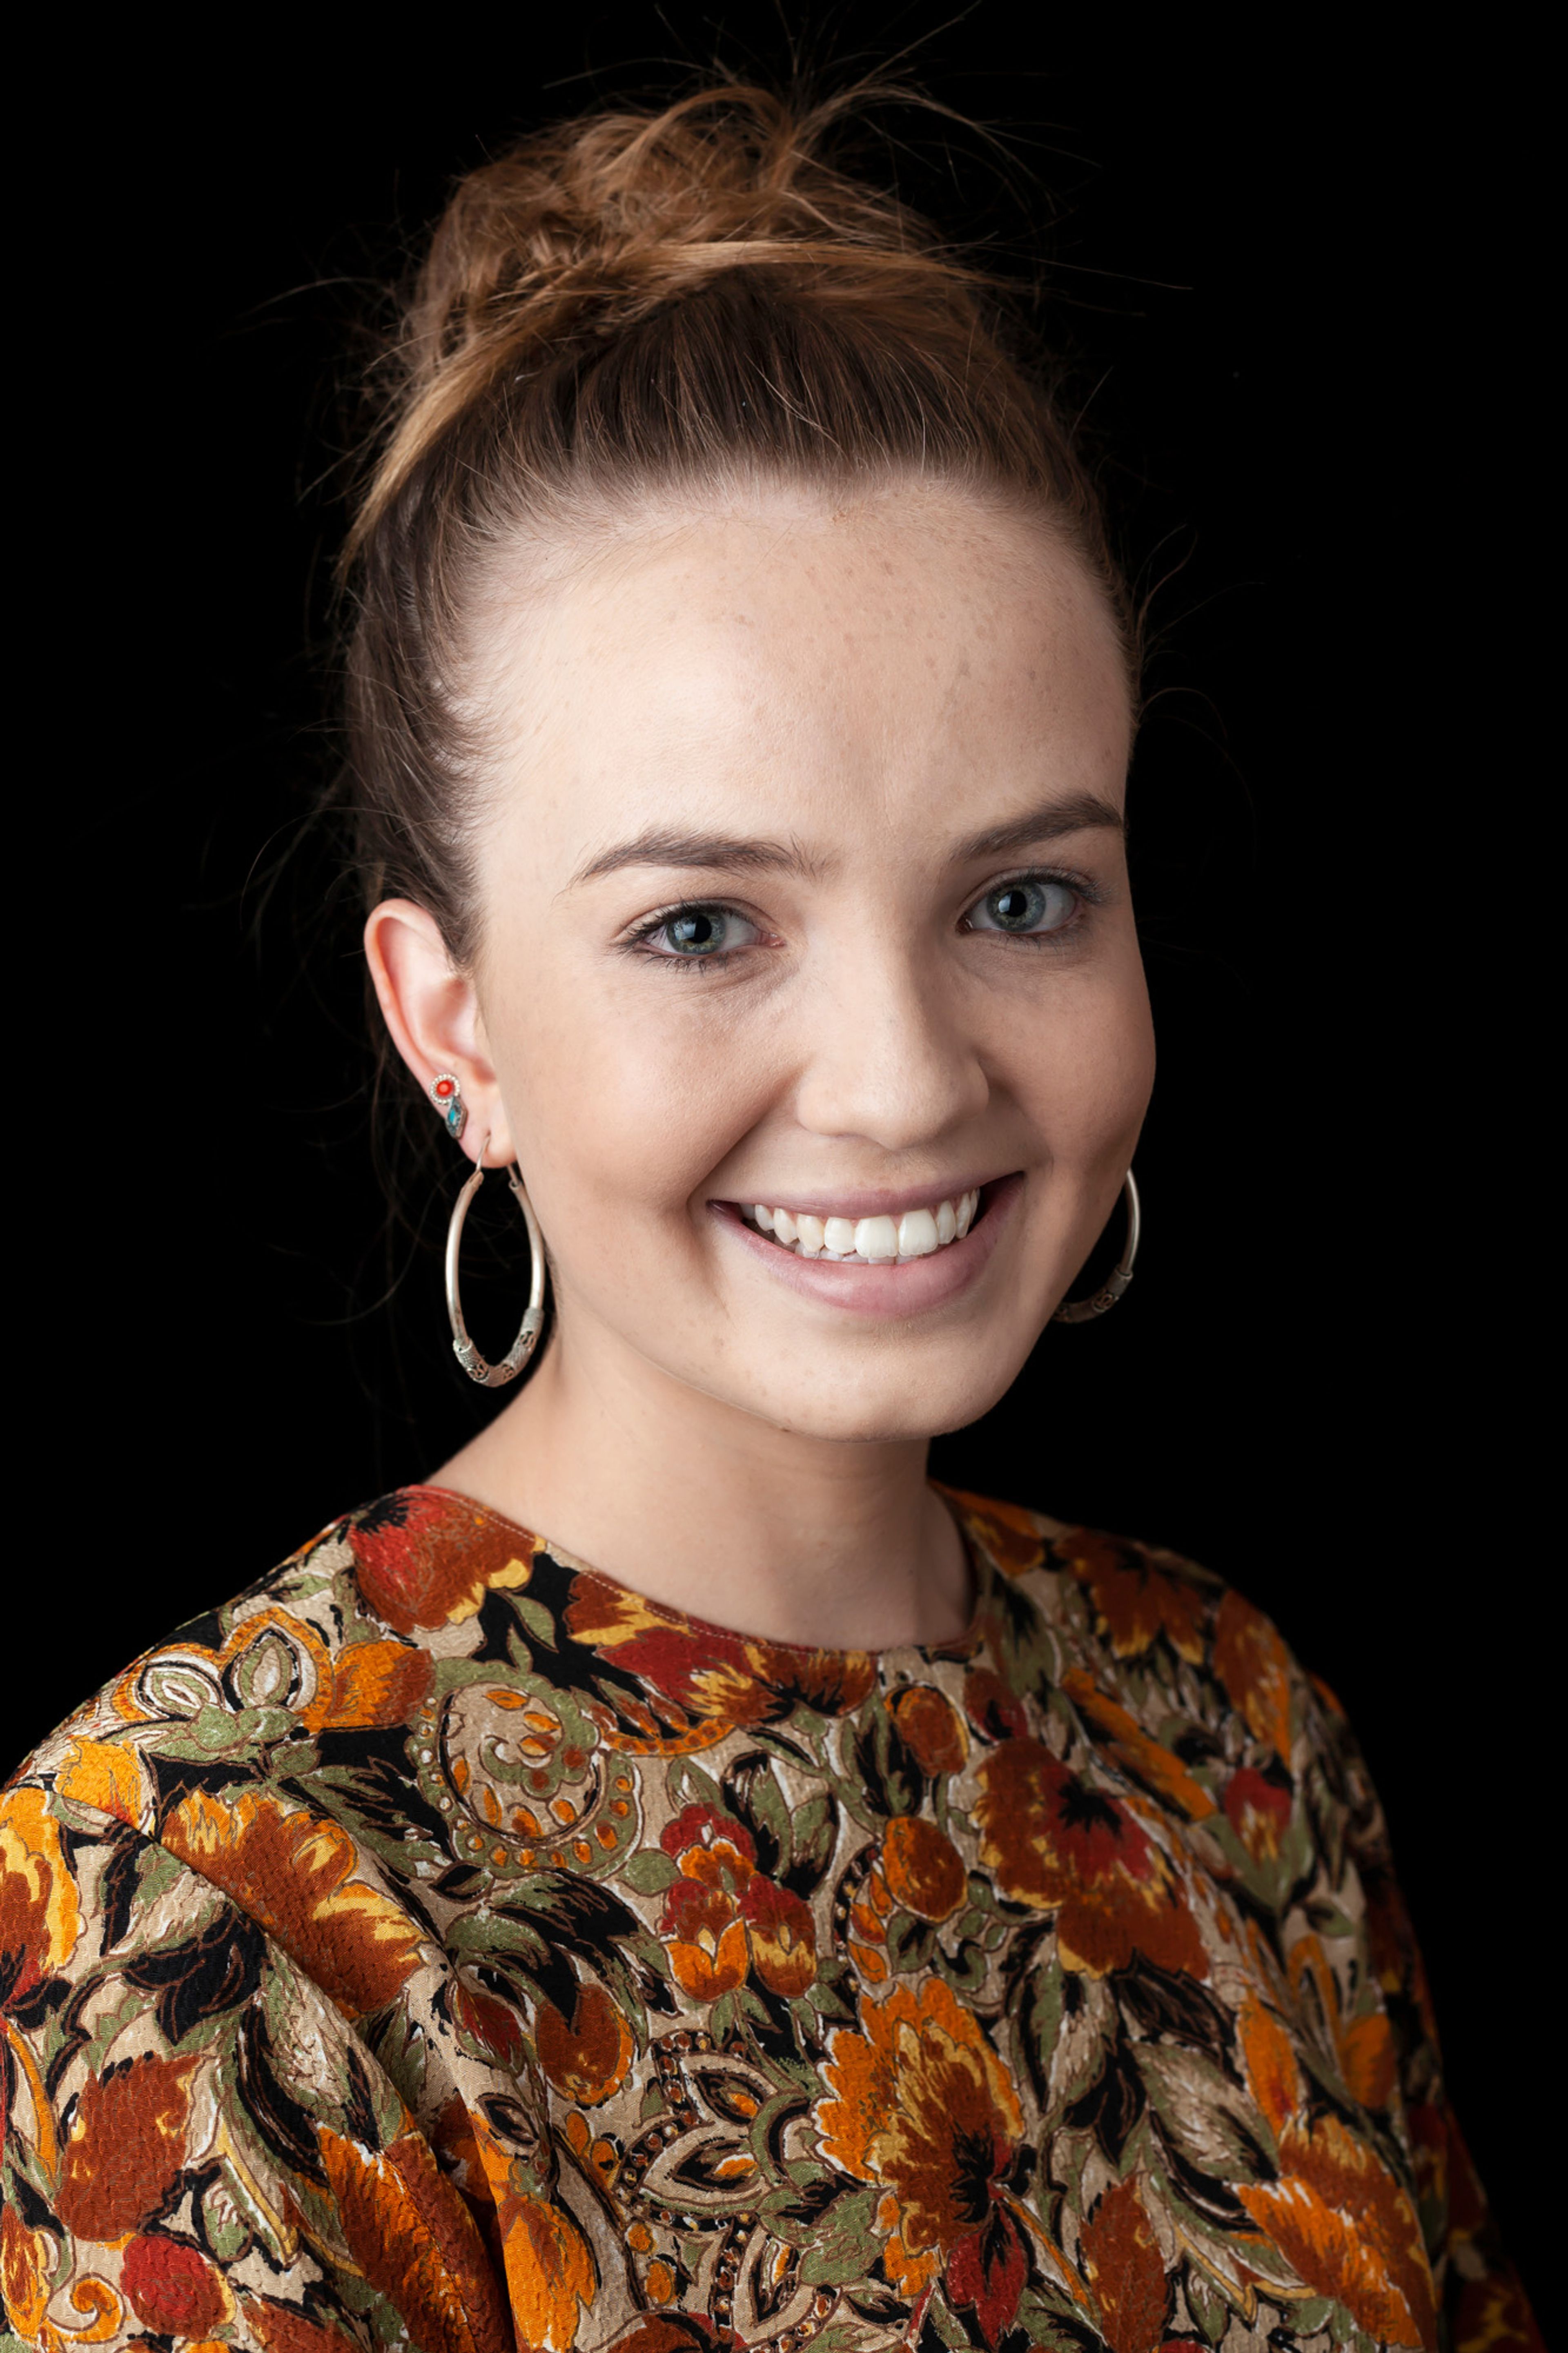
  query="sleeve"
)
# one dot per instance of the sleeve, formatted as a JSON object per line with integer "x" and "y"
{"x": 197, "y": 2144}
{"x": 1483, "y": 2306}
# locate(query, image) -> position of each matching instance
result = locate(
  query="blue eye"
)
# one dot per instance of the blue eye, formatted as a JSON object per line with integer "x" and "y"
{"x": 698, "y": 932}
{"x": 1033, "y": 904}
{"x": 696, "y": 935}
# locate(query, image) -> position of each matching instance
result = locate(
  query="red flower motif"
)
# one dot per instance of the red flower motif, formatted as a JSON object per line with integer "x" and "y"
{"x": 706, "y": 1827}
{"x": 425, "y": 1558}
{"x": 1055, "y": 1842}
{"x": 173, "y": 2288}
{"x": 1258, "y": 1811}
{"x": 1138, "y": 1595}
{"x": 992, "y": 1706}
{"x": 1122, "y": 2259}
{"x": 931, "y": 1728}
{"x": 127, "y": 2147}
{"x": 713, "y": 1675}
{"x": 783, "y": 1935}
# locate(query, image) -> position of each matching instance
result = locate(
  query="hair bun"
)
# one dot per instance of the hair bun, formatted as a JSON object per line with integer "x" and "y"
{"x": 596, "y": 221}
{"x": 581, "y": 230}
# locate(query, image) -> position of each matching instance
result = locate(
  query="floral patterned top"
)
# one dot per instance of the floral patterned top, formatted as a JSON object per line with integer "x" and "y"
{"x": 444, "y": 1946}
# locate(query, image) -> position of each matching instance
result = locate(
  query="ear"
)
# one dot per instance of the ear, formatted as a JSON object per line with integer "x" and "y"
{"x": 433, "y": 1013}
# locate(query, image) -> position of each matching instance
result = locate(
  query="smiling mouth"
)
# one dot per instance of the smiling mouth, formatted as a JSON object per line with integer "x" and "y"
{"x": 867, "y": 1241}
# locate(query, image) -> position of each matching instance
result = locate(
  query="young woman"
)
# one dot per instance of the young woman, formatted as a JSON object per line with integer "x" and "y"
{"x": 677, "y": 1877}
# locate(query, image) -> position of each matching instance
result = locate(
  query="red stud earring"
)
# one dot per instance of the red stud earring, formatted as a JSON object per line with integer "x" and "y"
{"x": 448, "y": 1100}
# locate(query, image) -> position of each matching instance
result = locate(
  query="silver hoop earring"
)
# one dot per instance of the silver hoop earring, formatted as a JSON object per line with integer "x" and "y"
{"x": 1100, "y": 1303}
{"x": 495, "y": 1377}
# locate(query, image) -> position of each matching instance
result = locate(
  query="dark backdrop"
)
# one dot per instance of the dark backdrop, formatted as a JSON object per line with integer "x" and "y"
{"x": 1320, "y": 1383}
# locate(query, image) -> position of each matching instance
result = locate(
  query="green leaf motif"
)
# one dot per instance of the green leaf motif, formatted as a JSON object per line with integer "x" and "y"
{"x": 813, "y": 1831}
{"x": 1209, "y": 2309}
{"x": 838, "y": 2257}
{"x": 537, "y": 1621}
{"x": 688, "y": 1785}
{"x": 650, "y": 1872}
{"x": 1211, "y": 2124}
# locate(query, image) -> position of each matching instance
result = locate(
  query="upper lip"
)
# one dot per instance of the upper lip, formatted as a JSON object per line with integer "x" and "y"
{"x": 868, "y": 1201}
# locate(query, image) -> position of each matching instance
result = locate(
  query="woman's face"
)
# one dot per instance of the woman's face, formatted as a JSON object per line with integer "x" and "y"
{"x": 803, "y": 890}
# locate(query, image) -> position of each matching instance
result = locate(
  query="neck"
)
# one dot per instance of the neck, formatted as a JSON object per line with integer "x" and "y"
{"x": 714, "y": 1512}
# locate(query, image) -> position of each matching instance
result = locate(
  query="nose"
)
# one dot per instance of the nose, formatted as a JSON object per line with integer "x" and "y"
{"x": 887, "y": 1056}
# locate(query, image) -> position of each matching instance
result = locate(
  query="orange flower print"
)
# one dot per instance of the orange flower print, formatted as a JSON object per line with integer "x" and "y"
{"x": 708, "y": 1952}
{"x": 292, "y": 1874}
{"x": 1258, "y": 1811}
{"x": 1008, "y": 1531}
{"x": 1157, "y": 1768}
{"x": 931, "y": 1728}
{"x": 414, "y": 2239}
{"x": 1254, "y": 1665}
{"x": 373, "y": 1685}
{"x": 1339, "y": 2216}
{"x": 24, "y": 2274}
{"x": 40, "y": 1918}
{"x": 586, "y": 2058}
{"x": 676, "y": 2332}
{"x": 923, "y": 1869}
{"x": 1055, "y": 1842}
{"x": 1137, "y": 1594}
{"x": 425, "y": 1558}
{"x": 1122, "y": 2261}
{"x": 1335, "y": 2212}
{"x": 127, "y": 2146}
{"x": 173, "y": 2288}
{"x": 550, "y": 2274}
{"x": 279, "y": 2328}
{"x": 923, "y": 2106}
{"x": 106, "y": 1775}
{"x": 722, "y": 1918}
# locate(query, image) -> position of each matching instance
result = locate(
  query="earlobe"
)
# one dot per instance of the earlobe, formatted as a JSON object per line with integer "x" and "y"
{"x": 432, "y": 1014}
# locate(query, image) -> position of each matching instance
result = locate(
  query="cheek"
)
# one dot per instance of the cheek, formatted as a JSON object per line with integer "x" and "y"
{"x": 1089, "y": 1067}
{"x": 626, "y": 1104}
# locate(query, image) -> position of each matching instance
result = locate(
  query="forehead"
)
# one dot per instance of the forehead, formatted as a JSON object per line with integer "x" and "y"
{"x": 799, "y": 657}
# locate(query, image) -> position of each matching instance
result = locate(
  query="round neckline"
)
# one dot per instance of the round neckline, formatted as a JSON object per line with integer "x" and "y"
{"x": 957, "y": 1645}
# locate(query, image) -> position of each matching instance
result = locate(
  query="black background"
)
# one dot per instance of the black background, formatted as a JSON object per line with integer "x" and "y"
{"x": 1322, "y": 1383}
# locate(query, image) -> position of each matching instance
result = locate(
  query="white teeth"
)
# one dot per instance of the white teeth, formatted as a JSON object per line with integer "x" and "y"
{"x": 875, "y": 1242}
{"x": 918, "y": 1234}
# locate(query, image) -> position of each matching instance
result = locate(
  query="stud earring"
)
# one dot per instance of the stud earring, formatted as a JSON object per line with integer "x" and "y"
{"x": 448, "y": 1100}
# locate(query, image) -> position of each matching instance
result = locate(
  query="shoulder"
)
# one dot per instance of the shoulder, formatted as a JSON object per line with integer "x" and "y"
{"x": 1162, "y": 1633}
{"x": 337, "y": 1638}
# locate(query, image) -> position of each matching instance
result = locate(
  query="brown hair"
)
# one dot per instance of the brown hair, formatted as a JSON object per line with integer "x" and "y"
{"x": 654, "y": 302}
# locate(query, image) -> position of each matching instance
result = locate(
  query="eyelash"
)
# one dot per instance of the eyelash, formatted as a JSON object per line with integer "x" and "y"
{"x": 636, "y": 942}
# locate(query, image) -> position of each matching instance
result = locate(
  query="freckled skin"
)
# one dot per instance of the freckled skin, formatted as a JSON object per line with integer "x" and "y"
{"x": 871, "y": 683}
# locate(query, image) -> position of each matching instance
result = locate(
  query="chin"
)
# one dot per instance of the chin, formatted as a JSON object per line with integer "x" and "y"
{"x": 892, "y": 1411}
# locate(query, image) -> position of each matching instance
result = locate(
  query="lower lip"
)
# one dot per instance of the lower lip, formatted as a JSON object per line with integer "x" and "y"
{"x": 889, "y": 1289}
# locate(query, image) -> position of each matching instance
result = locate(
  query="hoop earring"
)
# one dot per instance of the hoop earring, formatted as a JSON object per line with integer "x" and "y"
{"x": 1100, "y": 1303}
{"x": 495, "y": 1377}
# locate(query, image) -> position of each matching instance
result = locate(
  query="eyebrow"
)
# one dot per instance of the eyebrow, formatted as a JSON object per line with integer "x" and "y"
{"x": 1075, "y": 813}
{"x": 660, "y": 846}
